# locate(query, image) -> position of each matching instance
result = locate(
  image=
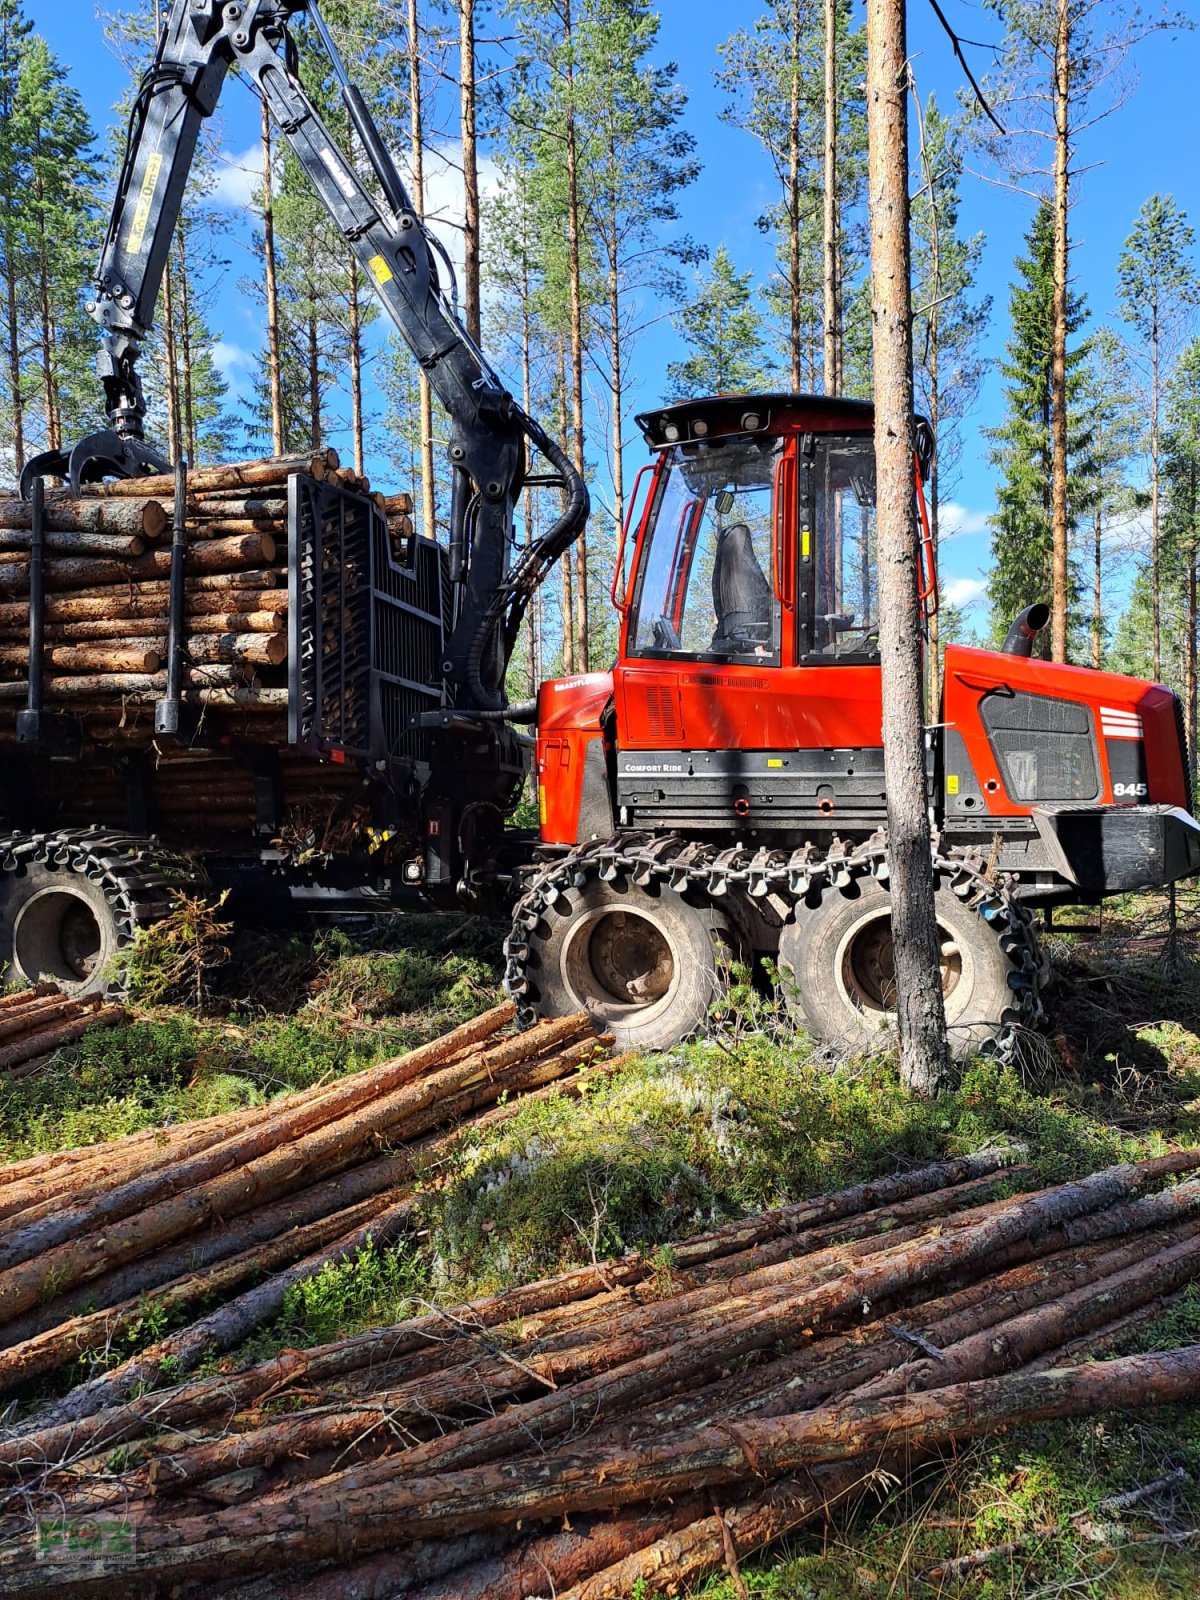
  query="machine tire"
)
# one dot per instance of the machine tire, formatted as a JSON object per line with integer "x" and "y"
{"x": 596, "y": 946}
{"x": 70, "y": 901}
{"x": 835, "y": 968}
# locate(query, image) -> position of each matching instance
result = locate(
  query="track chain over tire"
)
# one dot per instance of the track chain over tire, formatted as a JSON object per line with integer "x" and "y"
{"x": 137, "y": 876}
{"x": 682, "y": 864}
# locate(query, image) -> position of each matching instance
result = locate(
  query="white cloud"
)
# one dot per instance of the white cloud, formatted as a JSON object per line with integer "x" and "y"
{"x": 959, "y": 592}
{"x": 232, "y": 358}
{"x": 239, "y": 177}
{"x": 955, "y": 520}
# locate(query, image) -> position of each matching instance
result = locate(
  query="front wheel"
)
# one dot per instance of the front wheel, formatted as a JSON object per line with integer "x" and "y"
{"x": 839, "y": 976}
{"x": 646, "y": 963}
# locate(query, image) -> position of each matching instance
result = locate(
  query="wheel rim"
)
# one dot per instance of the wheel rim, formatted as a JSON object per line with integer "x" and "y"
{"x": 57, "y": 934}
{"x": 866, "y": 966}
{"x": 620, "y": 959}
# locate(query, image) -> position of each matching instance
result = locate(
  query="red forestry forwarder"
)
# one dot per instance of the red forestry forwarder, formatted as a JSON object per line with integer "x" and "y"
{"x": 717, "y": 794}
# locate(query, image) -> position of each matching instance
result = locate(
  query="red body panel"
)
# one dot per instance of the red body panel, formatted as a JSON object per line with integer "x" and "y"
{"x": 1121, "y": 708}
{"x": 568, "y": 720}
{"x": 699, "y": 706}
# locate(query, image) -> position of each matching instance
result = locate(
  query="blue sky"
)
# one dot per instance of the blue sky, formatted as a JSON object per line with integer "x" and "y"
{"x": 1150, "y": 144}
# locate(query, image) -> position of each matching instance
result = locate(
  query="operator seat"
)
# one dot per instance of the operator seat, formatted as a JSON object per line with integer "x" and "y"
{"x": 741, "y": 594}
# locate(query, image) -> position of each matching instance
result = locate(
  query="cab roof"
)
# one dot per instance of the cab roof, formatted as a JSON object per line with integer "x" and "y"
{"x": 753, "y": 413}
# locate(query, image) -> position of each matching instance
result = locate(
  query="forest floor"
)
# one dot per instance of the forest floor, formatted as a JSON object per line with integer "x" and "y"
{"x": 676, "y": 1143}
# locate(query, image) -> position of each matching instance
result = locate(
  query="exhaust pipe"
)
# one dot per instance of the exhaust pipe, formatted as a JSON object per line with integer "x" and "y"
{"x": 1026, "y": 626}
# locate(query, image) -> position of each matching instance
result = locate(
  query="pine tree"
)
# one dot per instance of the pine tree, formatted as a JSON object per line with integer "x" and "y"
{"x": 723, "y": 331}
{"x": 1181, "y": 518}
{"x": 640, "y": 160}
{"x": 1022, "y": 527}
{"x": 773, "y": 73}
{"x": 948, "y": 321}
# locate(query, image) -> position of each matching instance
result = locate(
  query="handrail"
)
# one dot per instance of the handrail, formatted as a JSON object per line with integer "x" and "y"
{"x": 927, "y": 589}
{"x": 622, "y": 605}
{"x": 783, "y": 572}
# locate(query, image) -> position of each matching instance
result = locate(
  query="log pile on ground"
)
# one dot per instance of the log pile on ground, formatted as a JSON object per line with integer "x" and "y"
{"x": 107, "y": 566}
{"x": 636, "y": 1422}
{"x": 37, "y": 1022}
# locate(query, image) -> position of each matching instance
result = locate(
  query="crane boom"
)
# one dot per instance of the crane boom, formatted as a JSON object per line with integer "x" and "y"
{"x": 200, "y": 41}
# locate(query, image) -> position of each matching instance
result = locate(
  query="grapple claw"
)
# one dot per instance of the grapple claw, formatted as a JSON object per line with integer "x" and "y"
{"x": 50, "y": 464}
{"x": 106, "y": 454}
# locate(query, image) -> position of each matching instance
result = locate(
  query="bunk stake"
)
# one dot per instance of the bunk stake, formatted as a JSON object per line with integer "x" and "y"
{"x": 29, "y": 721}
{"x": 166, "y": 712}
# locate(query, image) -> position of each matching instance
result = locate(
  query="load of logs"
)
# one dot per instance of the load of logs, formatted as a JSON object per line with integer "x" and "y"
{"x": 35, "y": 1023}
{"x": 633, "y": 1423}
{"x": 107, "y": 563}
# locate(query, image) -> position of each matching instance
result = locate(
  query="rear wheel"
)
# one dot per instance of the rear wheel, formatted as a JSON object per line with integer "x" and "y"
{"x": 839, "y": 975}
{"x": 645, "y": 962}
{"x": 71, "y": 901}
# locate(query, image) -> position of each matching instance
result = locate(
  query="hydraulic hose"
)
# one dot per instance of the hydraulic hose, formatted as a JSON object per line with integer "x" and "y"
{"x": 512, "y": 597}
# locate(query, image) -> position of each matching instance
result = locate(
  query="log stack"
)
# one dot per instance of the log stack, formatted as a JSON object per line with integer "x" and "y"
{"x": 107, "y": 564}
{"x": 630, "y": 1423}
{"x": 35, "y": 1023}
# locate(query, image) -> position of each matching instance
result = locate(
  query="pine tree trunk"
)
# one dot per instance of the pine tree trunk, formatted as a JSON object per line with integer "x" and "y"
{"x": 274, "y": 363}
{"x": 14, "y": 365}
{"x": 574, "y": 271}
{"x": 1155, "y": 583}
{"x": 533, "y": 615}
{"x": 935, "y": 417}
{"x": 793, "y": 200}
{"x": 830, "y": 240}
{"x": 356, "y": 385}
{"x": 1193, "y": 692}
{"x": 424, "y": 392}
{"x": 568, "y": 587}
{"x": 920, "y": 1008}
{"x": 1097, "y": 612}
{"x": 466, "y": 55}
{"x": 185, "y": 352}
{"x": 1059, "y": 597}
{"x": 174, "y": 431}
{"x": 617, "y": 379}
{"x": 314, "y": 381}
{"x": 49, "y": 377}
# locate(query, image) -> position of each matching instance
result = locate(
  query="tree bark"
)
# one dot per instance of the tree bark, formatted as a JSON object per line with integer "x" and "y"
{"x": 174, "y": 426}
{"x": 793, "y": 204}
{"x": 356, "y": 383}
{"x": 1155, "y": 547}
{"x": 1060, "y": 530}
{"x": 920, "y": 1010}
{"x": 470, "y": 162}
{"x": 314, "y": 380}
{"x": 14, "y": 351}
{"x": 424, "y": 392}
{"x": 185, "y": 352}
{"x": 568, "y": 586}
{"x": 833, "y": 376}
{"x": 274, "y": 360}
{"x": 574, "y": 272}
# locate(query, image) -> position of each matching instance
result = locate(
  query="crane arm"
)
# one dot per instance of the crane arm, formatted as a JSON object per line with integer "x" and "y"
{"x": 200, "y": 41}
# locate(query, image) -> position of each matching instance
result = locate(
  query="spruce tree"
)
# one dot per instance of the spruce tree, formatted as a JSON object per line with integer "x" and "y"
{"x": 1022, "y": 530}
